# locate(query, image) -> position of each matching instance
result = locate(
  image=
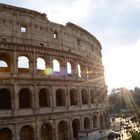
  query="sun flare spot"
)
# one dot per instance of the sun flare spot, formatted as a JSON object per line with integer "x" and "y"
{"x": 48, "y": 71}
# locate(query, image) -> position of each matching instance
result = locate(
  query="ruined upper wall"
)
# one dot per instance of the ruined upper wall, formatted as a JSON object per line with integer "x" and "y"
{"x": 23, "y": 26}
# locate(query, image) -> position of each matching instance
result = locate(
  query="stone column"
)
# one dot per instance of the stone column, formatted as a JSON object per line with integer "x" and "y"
{"x": 79, "y": 96}
{"x": 55, "y": 130}
{"x": 70, "y": 129}
{"x": 36, "y": 99}
{"x": 32, "y": 65}
{"x": 53, "y": 98}
{"x": 37, "y": 129}
{"x": 68, "y": 97}
{"x": 16, "y": 98}
{"x": 91, "y": 121}
{"x": 89, "y": 98}
{"x": 14, "y": 64}
{"x": 82, "y": 122}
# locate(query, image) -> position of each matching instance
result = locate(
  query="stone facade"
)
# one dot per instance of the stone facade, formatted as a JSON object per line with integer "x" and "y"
{"x": 48, "y": 102}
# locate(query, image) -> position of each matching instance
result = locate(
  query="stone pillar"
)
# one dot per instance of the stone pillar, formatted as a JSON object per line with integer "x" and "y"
{"x": 32, "y": 65}
{"x": 16, "y": 97}
{"x": 89, "y": 98}
{"x": 68, "y": 97}
{"x": 76, "y": 71}
{"x": 36, "y": 99}
{"x": 17, "y": 132}
{"x": 79, "y": 96}
{"x": 82, "y": 122}
{"x": 91, "y": 121}
{"x": 55, "y": 130}
{"x": 63, "y": 68}
{"x": 32, "y": 98}
{"x": 37, "y": 129}
{"x": 53, "y": 98}
{"x": 14, "y": 64}
{"x": 71, "y": 128}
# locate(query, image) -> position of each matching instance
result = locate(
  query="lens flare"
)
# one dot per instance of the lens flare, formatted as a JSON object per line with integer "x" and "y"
{"x": 48, "y": 71}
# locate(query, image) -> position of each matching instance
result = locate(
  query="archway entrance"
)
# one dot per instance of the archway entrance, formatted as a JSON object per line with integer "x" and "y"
{"x": 62, "y": 131}
{"x": 5, "y": 134}
{"x": 46, "y": 132}
{"x": 75, "y": 127}
{"x": 26, "y": 133}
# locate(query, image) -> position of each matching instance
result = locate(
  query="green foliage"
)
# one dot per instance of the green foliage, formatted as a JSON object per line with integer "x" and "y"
{"x": 135, "y": 136}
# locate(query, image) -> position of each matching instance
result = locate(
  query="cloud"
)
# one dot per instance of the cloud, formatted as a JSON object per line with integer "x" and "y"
{"x": 114, "y": 23}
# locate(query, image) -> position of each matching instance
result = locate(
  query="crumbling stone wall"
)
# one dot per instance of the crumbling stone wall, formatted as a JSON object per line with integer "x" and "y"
{"x": 38, "y": 104}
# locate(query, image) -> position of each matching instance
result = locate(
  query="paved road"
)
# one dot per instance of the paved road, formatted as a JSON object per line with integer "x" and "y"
{"x": 116, "y": 126}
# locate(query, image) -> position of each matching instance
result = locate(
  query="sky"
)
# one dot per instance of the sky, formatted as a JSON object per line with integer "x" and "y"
{"x": 115, "y": 23}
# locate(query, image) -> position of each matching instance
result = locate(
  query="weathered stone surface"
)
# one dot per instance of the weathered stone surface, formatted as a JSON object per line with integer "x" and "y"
{"x": 35, "y": 104}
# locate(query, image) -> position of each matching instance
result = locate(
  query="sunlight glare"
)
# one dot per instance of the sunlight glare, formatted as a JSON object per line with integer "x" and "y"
{"x": 122, "y": 66}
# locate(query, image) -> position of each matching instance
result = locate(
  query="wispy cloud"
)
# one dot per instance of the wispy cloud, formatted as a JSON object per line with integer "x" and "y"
{"x": 116, "y": 23}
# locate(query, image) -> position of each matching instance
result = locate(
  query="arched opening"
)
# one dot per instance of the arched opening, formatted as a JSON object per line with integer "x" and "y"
{"x": 41, "y": 65}
{"x": 69, "y": 70}
{"x": 101, "y": 122}
{"x": 56, "y": 66}
{"x": 60, "y": 97}
{"x": 86, "y": 123}
{"x": 5, "y": 99}
{"x": 55, "y": 35}
{"x": 84, "y": 96}
{"x": 27, "y": 133}
{"x": 24, "y": 98}
{"x": 94, "y": 121}
{"x": 92, "y": 96}
{"x": 4, "y": 62}
{"x": 5, "y": 134}
{"x": 46, "y": 132}
{"x": 23, "y": 64}
{"x": 79, "y": 70}
{"x": 73, "y": 97}
{"x": 44, "y": 98}
{"x": 75, "y": 127}
{"x": 63, "y": 131}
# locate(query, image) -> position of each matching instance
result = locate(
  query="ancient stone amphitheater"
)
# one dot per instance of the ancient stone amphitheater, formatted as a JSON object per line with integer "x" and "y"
{"x": 51, "y": 78}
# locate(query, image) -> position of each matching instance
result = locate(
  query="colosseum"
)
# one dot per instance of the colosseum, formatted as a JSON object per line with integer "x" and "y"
{"x": 51, "y": 78}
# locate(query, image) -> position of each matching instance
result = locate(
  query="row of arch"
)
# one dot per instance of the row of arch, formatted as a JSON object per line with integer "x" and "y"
{"x": 47, "y": 131}
{"x": 57, "y": 66}
{"x": 45, "y": 98}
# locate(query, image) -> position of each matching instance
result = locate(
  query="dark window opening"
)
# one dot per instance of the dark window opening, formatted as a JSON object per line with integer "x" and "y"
{"x": 46, "y": 132}
{"x": 75, "y": 127}
{"x": 24, "y": 98}
{"x": 86, "y": 123}
{"x": 27, "y": 133}
{"x": 94, "y": 121}
{"x": 60, "y": 98}
{"x": 92, "y": 96}
{"x": 73, "y": 97}
{"x": 44, "y": 98}
{"x": 78, "y": 42}
{"x": 101, "y": 122}
{"x": 63, "y": 131}
{"x": 5, "y": 99}
{"x": 5, "y": 134}
{"x": 84, "y": 97}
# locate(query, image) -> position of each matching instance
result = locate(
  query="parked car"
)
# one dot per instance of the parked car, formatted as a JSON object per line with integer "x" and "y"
{"x": 113, "y": 134}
